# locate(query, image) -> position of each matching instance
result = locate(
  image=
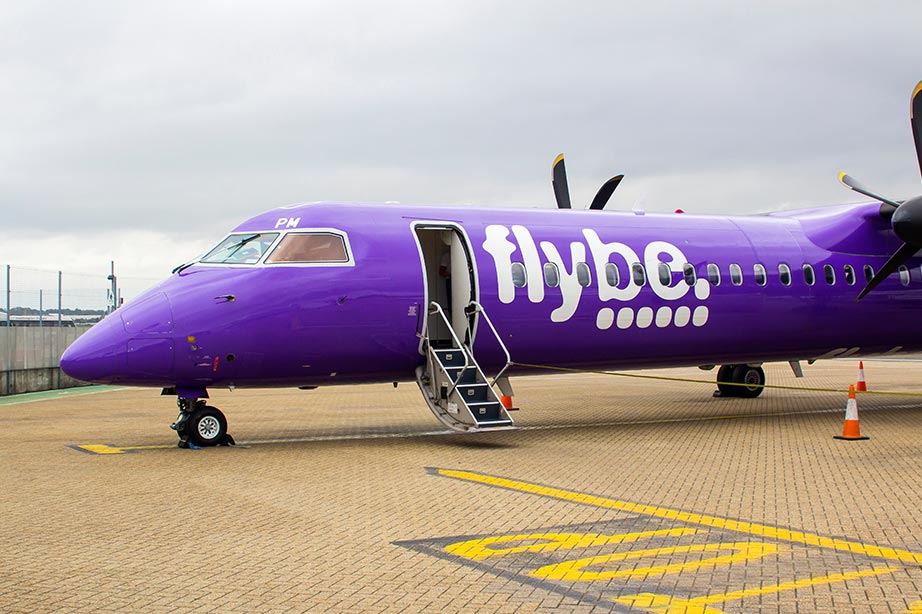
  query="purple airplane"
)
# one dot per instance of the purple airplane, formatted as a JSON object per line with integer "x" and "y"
{"x": 459, "y": 299}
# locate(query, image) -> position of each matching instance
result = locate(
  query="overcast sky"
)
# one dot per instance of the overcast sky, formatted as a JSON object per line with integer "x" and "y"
{"x": 142, "y": 132}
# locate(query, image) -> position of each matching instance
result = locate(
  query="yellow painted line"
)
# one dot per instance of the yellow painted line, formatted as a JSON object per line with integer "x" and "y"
{"x": 914, "y": 608}
{"x": 108, "y": 449}
{"x": 788, "y": 535}
{"x": 101, "y": 448}
{"x": 480, "y": 549}
{"x": 574, "y": 571}
{"x": 664, "y": 604}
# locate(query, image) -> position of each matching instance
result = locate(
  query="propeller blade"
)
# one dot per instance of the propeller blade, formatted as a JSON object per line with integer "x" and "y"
{"x": 903, "y": 254}
{"x": 559, "y": 177}
{"x": 605, "y": 192}
{"x": 915, "y": 118}
{"x": 852, "y": 184}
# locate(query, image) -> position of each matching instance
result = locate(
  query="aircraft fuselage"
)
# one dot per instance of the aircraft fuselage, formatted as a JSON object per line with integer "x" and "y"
{"x": 546, "y": 279}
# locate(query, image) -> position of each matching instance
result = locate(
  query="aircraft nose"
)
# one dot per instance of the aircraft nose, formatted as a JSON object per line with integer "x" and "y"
{"x": 132, "y": 345}
{"x": 93, "y": 357}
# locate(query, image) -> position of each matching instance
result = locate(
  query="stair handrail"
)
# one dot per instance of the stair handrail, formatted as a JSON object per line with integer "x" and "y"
{"x": 478, "y": 307}
{"x": 434, "y": 307}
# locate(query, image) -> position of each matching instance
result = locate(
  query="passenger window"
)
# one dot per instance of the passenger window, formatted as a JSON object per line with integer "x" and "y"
{"x": 830, "y": 274}
{"x": 714, "y": 274}
{"x": 519, "y": 278}
{"x": 638, "y": 274}
{"x": 868, "y": 272}
{"x": 759, "y": 273}
{"x": 309, "y": 247}
{"x": 612, "y": 274}
{"x": 690, "y": 276}
{"x": 784, "y": 274}
{"x": 809, "y": 275}
{"x": 582, "y": 274}
{"x": 665, "y": 274}
{"x": 849, "y": 274}
{"x": 904, "y": 275}
{"x": 736, "y": 275}
{"x": 551, "y": 275}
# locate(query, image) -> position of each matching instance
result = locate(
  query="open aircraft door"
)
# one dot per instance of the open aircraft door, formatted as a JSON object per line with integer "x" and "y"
{"x": 450, "y": 281}
{"x": 452, "y": 382}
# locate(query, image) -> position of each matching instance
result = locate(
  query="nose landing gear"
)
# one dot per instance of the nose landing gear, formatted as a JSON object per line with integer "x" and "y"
{"x": 200, "y": 425}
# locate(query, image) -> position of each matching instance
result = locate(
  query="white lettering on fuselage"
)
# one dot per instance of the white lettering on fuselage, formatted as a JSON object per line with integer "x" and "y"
{"x": 657, "y": 257}
{"x": 286, "y": 222}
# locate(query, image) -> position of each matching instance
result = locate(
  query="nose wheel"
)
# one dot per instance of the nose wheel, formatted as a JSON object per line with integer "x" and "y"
{"x": 200, "y": 425}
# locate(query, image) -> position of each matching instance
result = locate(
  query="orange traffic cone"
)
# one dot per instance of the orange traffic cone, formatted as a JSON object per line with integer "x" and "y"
{"x": 861, "y": 386}
{"x": 851, "y": 432}
{"x": 506, "y": 401}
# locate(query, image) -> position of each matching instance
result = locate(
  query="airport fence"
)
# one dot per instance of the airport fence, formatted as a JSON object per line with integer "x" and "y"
{"x": 43, "y": 312}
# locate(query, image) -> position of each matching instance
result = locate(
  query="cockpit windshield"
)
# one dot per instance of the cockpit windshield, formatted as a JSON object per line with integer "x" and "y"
{"x": 243, "y": 248}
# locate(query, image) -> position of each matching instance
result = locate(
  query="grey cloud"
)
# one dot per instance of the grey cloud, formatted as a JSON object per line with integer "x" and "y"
{"x": 192, "y": 116}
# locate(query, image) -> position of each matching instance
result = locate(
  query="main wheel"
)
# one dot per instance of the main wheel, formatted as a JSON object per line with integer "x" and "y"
{"x": 752, "y": 380}
{"x": 724, "y": 379}
{"x": 206, "y": 427}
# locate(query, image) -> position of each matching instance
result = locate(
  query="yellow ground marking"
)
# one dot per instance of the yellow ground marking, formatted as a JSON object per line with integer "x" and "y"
{"x": 480, "y": 549}
{"x": 797, "y": 537}
{"x": 573, "y": 571}
{"x": 914, "y": 608}
{"x": 663, "y": 604}
{"x": 101, "y": 448}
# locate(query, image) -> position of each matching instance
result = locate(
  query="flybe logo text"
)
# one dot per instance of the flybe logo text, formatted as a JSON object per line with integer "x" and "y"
{"x": 655, "y": 254}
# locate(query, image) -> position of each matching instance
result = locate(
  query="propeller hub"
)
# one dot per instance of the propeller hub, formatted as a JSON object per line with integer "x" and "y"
{"x": 907, "y": 221}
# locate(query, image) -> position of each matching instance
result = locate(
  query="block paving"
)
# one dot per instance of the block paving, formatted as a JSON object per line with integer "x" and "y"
{"x": 618, "y": 494}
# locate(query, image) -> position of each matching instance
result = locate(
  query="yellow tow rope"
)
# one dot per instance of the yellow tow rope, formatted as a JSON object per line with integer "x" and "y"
{"x": 708, "y": 382}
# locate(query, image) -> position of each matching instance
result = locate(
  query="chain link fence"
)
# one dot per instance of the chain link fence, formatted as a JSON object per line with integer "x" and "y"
{"x": 43, "y": 312}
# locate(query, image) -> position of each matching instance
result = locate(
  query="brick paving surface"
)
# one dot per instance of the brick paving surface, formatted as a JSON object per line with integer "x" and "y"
{"x": 332, "y": 502}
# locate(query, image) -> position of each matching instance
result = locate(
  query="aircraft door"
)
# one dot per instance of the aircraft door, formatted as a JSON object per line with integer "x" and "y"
{"x": 448, "y": 270}
{"x": 460, "y": 281}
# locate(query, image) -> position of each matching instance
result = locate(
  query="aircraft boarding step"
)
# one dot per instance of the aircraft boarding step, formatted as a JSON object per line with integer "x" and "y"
{"x": 457, "y": 391}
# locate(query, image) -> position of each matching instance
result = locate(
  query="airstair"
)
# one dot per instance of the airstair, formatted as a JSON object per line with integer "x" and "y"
{"x": 454, "y": 385}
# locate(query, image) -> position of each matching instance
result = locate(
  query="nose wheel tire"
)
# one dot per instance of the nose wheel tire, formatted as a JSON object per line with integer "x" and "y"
{"x": 203, "y": 427}
{"x": 207, "y": 427}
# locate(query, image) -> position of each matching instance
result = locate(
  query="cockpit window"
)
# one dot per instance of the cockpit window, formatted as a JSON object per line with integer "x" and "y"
{"x": 309, "y": 247}
{"x": 243, "y": 248}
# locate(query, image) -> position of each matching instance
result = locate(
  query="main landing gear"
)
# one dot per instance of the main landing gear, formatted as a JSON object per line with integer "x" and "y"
{"x": 199, "y": 425}
{"x": 741, "y": 381}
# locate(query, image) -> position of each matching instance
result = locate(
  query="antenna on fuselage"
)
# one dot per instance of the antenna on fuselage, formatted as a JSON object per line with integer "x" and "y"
{"x": 638, "y": 208}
